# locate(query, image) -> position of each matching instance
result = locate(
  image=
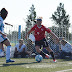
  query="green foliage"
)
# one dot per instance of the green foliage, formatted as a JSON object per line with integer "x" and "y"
{"x": 30, "y": 21}
{"x": 61, "y": 20}
{"x": 59, "y": 17}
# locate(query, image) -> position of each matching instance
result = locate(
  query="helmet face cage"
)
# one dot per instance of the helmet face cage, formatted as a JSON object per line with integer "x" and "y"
{"x": 3, "y": 13}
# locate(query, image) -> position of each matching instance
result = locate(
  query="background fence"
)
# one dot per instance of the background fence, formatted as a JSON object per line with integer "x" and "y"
{"x": 16, "y": 32}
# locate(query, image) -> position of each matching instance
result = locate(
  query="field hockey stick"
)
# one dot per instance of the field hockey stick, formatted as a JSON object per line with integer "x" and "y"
{"x": 9, "y": 24}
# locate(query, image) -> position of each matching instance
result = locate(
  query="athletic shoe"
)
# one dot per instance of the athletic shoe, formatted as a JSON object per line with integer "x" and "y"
{"x": 54, "y": 61}
{"x": 47, "y": 56}
{"x": 7, "y": 61}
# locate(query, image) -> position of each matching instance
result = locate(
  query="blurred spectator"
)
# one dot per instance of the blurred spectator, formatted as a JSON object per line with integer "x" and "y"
{"x": 30, "y": 47}
{"x": 66, "y": 49}
{"x": 20, "y": 50}
{"x": 55, "y": 47}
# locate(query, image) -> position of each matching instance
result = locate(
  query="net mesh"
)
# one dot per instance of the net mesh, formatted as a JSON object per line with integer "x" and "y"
{"x": 61, "y": 32}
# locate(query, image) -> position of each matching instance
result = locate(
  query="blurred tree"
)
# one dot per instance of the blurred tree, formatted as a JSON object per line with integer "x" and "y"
{"x": 9, "y": 35}
{"x": 30, "y": 21}
{"x": 23, "y": 35}
{"x": 61, "y": 20}
{"x": 14, "y": 36}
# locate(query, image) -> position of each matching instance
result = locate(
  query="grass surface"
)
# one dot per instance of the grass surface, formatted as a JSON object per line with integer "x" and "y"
{"x": 30, "y": 65}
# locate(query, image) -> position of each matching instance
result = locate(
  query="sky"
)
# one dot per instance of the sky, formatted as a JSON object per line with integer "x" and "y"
{"x": 19, "y": 9}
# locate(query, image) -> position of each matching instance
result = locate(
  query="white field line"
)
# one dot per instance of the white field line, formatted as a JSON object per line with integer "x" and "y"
{"x": 64, "y": 70}
{"x": 47, "y": 65}
{"x": 2, "y": 62}
{"x": 1, "y": 65}
{"x": 40, "y": 66}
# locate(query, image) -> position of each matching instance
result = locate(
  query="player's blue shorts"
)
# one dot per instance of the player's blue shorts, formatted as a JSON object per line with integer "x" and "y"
{"x": 42, "y": 42}
{"x": 2, "y": 39}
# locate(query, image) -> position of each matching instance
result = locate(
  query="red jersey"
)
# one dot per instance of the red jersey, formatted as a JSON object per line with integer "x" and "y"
{"x": 39, "y": 32}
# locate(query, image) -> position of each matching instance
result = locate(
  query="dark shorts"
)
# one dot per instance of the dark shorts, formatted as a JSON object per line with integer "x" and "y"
{"x": 41, "y": 43}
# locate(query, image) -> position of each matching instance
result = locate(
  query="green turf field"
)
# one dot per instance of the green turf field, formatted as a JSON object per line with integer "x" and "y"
{"x": 30, "y": 65}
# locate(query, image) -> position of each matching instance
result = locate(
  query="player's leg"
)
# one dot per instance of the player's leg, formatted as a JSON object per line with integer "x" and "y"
{"x": 0, "y": 47}
{"x": 51, "y": 52}
{"x": 7, "y": 43}
{"x": 2, "y": 50}
{"x": 46, "y": 45}
{"x": 38, "y": 48}
{"x": 40, "y": 51}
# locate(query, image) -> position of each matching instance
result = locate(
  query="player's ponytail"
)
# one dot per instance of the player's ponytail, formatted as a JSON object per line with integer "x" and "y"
{"x": 4, "y": 13}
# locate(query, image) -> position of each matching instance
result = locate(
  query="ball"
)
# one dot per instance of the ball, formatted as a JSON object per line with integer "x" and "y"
{"x": 38, "y": 58}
